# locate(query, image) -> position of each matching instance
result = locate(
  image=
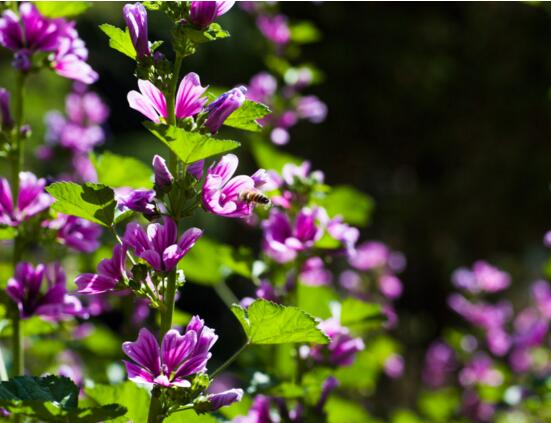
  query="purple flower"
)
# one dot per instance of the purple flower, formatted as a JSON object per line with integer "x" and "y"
{"x": 329, "y": 385}
{"x": 213, "y": 402}
{"x": 221, "y": 108}
{"x": 547, "y": 239}
{"x": 70, "y": 60}
{"x": 135, "y": 17}
{"x": 312, "y": 108}
{"x": 541, "y": 293}
{"x": 279, "y": 136}
{"x": 283, "y": 241}
{"x": 222, "y": 194}
{"x": 390, "y": 286}
{"x": 342, "y": 349}
{"x": 196, "y": 169}
{"x": 51, "y": 302}
{"x": 159, "y": 245}
{"x": 314, "y": 272}
{"x": 261, "y": 87}
{"x": 258, "y": 413}
{"x": 203, "y": 13}
{"x": 483, "y": 278}
{"x": 292, "y": 173}
{"x": 484, "y": 315}
{"x": 274, "y": 28}
{"x": 480, "y": 370}
{"x": 139, "y": 200}
{"x": 394, "y": 366}
{"x": 110, "y": 273}
{"x": 151, "y": 102}
{"x": 163, "y": 177}
{"x": 178, "y": 357}
{"x": 439, "y": 364}
{"x": 31, "y": 199}
{"x": 74, "y": 232}
{"x": 370, "y": 255}
{"x": 85, "y": 108}
{"x": 343, "y": 232}
{"x": 7, "y": 119}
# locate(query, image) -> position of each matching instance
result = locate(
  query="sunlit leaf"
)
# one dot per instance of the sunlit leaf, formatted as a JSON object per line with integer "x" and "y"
{"x": 62, "y": 9}
{"x": 128, "y": 394}
{"x": 353, "y": 205}
{"x": 7, "y": 233}
{"x": 354, "y": 311}
{"x": 271, "y": 158}
{"x": 120, "y": 171}
{"x": 247, "y": 116}
{"x": 119, "y": 40}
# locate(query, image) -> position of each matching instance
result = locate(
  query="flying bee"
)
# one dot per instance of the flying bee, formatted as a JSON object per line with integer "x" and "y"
{"x": 255, "y": 197}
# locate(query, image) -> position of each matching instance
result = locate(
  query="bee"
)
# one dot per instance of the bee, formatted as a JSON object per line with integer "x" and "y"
{"x": 253, "y": 196}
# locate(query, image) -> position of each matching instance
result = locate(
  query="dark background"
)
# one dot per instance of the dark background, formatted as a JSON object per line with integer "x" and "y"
{"x": 440, "y": 112}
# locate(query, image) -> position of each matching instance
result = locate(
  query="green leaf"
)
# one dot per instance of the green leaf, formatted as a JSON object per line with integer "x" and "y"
{"x": 340, "y": 410}
{"x": 305, "y": 32}
{"x": 247, "y": 115}
{"x": 353, "y": 205}
{"x": 7, "y": 233}
{"x": 62, "y": 9}
{"x": 31, "y": 327}
{"x": 315, "y": 299}
{"x": 190, "y": 146}
{"x": 189, "y": 416}
{"x": 119, "y": 40}
{"x": 270, "y": 158}
{"x": 265, "y": 322}
{"x": 439, "y": 406}
{"x": 134, "y": 398}
{"x": 212, "y": 33}
{"x": 354, "y": 311}
{"x": 93, "y": 202}
{"x": 51, "y": 399}
{"x": 120, "y": 171}
{"x": 405, "y": 416}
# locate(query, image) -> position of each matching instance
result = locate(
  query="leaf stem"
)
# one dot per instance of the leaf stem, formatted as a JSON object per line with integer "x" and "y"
{"x": 226, "y": 294}
{"x": 229, "y": 360}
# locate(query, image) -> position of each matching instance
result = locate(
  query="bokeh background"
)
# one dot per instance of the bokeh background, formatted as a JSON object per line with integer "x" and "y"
{"x": 441, "y": 112}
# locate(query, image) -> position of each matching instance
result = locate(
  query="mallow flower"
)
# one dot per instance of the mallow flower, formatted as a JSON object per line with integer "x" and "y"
{"x": 227, "y": 195}
{"x": 203, "y": 13}
{"x": 213, "y": 402}
{"x": 221, "y": 108}
{"x": 110, "y": 272}
{"x": 74, "y": 232}
{"x": 135, "y": 17}
{"x": 41, "y": 291}
{"x": 32, "y": 199}
{"x": 159, "y": 245}
{"x": 177, "y": 359}
{"x": 274, "y": 28}
{"x": 151, "y": 102}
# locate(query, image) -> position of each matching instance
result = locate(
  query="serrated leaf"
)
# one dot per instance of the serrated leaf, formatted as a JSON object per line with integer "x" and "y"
{"x": 7, "y": 233}
{"x": 353, "y": 205}
{"x": 212, "y": 33}
{"x": 121, "y": 171}
{"x": 247, "y": 116}
{"x": 128, "y": 394}
{"x": 354, "y": 311}
{"x": 190, "y": 146}
{"x": 270, "y": 158}
{"x": 119, "y": 40}
{"x": 265, "y": 322}
{"x": 62, "y": 9}
{"x": 93, "y": 202}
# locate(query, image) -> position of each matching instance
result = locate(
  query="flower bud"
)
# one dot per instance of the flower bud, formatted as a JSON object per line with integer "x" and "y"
{"x": 223, "y": 106}
{"x": 135, "y": 17}
{"x": 214, "y": 402}
{"x": 163, "y": 177}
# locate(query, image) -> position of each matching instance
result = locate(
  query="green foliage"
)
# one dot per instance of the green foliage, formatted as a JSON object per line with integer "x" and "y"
{"x": 94, "y": 202}
{"x": 62, "y": 9}
{"x": 32, "y": 326}
{"x": 305, "y": 32}
{"x": 405, "y": 416}
{"x": 212, "y": 33}
{"x": 190, "y": 146}
{"x": 354, "y": 311}
{"x": 353, "y": 205}
{"x": 51, "y": 399}
{"x": 439, "y": 405}
{"x": 119, "y": 40}
{"x": 340, "y": 410}
{"x": 189, "y": 416}
{"x": 128, "y": 394}
{"x": 121, "y": 171}
{"x": 247, "y": 116}
{"x": 102, "y": 342}
{"x": 7, "y": 233}
{"x": 208, "y": 262}
{"x": 315, "y": 299}
{"x": 265, "y": 322}
{"x": 270, "y": 158}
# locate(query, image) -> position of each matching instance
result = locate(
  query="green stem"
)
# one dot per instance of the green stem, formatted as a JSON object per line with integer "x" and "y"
{"x": 155, "y": 411}
{"x": 226, "y": 294}
{"x": 3, "y": 371}
{"x": 229, "y": 361}
{"x": 170, "y": 295}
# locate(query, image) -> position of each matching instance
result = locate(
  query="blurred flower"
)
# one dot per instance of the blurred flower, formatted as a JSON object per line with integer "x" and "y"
{"x": 178, "y": 357}
{"x": 483, "y": 278}
{"x": 159, "y": 245}
{"x": 274, "y": 28}
{"x": 394, "y": 366}
{"x": 390, "y": 286}
{"x": 312, "y": 108}
{"x": 329, "y": 385}
{"x": 342, "y": 349}
{"x": 258, "y": 413}
{"x": 480, "y": 370}
{"x": 135, "y": 17}
{"x": 74, "y": 232}
{"x": 221, "y": 108}
{"x": 292, "y": 174}
{"x": 31, "y": 199}
{"x": 439, "y": 363}
{"x": 541, "y": 293}
{"x": 110, "y": 272}
{"x": 51, "y": 302}
{"x": 261, "y": 87}
{"x": 370, "y": 255}
{"x": 314, "y": 272}
{"x": 223, "y": 195}
{"x": 203, "y": 13}
{"x": 283, "y": 240}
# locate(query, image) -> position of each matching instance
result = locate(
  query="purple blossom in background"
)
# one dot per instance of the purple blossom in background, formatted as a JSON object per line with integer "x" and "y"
{"x": 483, "y": 278}
{"x": 314, "y": 272}
{"x": 262, "y": 87}
{"x": 390, "y": 286}
{"x": 135, "y": 17}
{"x": 110, "y": 272}
{"x": 71, "y": 367}
{"x": 483, "y": 315}
{"x": 342, "y": 349}
{"x": 32, "y": 199}
{"x": 480, "y": 370}
{"x": 394, "y": 366}
{"x": 283, "y": 240}
{"x": 312, "y": 108}
{"x": 350, "y": 280}
{"x": 275, "y": 28}
{"x": 36, "y": 298}
{"x": 222, "y": 193}
{"x": 292, "y": 173}
{"x": 474, "y": 407}
{"x": 547, "y": 239}
{"x": 70, "y": 60}
{"x": 203, "y": 13}
{"x": 258, "y": 413}
{"x": 221, "y": 108}
{"x": 530, "y": 329}
{"x": 265, "y": 291}
{"x": 439, "y": 364}
{"x": 159, "y": 245}
{"x": 369, "y": 256}
{"x": 178, "y": 357}
{"x": 163, "y": 177}
{"x": 541, "y": 293}
{"x": 280, "y": 136}
{"x": 343, "y": 232}
{"x": 74, "y": 232}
